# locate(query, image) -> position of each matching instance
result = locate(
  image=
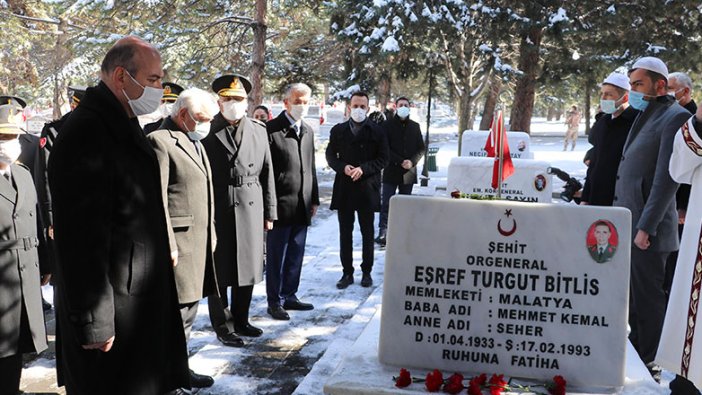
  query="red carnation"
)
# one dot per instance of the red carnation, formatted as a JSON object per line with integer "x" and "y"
{"x": 479, "y": 380}
{"x": 558, "y": 387}
{"x": 497, "y": 384}
{"x": 456, "y": 194}
{"x": 474, "y": 389}
{"x": 454, "y": 384}
{"x": 404, "y": 379}
{"x": 434, "y": 381}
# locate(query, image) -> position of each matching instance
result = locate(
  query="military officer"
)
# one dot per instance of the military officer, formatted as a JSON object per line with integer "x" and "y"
{"x": 28, "y": 142}
{"x": 21, "y": 317}
{"x": 171, "y": 91}
{"x": 245, "y": 205}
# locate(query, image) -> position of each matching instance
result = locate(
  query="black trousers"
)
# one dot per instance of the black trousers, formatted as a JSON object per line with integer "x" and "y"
{"x": 224, "y": 319}
{"x": 647, "y": 303}
{"x": 346, "y": 222}
{"x": 10, "y": 373}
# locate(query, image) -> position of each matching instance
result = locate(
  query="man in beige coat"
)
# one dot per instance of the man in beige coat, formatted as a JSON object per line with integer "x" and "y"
{"x": 186, "y": 185}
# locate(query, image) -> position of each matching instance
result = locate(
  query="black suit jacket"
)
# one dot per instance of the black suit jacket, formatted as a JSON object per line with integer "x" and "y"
{"x": 404, "y": 142}
{"x": 114, "y": 271}
{"x": 294, "y": 170}
{"x": 369, "y": 150}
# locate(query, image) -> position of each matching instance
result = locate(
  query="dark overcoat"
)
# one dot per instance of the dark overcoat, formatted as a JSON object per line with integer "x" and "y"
{"x": 186, "y": 184}
{"x": 404, "y": 143}
{"x": 19, "y": 265}
{"x": 644, "y": 185}
{"x": 114, "y": 272}
{"x": 367, "y": 149}
{"x": 294, "y": 168}
{"x": 244, "y": 194}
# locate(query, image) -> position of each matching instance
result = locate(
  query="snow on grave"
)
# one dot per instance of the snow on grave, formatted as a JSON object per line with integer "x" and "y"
{"x": 529, "y": 183}
{"x": 514, "y": 288}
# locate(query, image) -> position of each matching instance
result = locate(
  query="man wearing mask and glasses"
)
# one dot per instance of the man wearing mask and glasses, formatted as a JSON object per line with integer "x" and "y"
{"x": 186, "y": 185}
{"x": 245, "y": 206}
{"x": 645, "y": 187}
{"x": 116, "y": 302}
{"x": 607, "y": 136}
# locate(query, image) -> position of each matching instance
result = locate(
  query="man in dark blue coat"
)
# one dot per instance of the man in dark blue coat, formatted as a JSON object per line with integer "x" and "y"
{"x": 357, "y": 151}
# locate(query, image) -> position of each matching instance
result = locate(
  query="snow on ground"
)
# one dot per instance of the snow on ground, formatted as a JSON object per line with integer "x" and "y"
{"x": 299, "y": 355}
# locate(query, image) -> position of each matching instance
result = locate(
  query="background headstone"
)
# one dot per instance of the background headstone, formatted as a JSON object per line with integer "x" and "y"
{"x": 529, "y": 183}
{"x": 473, "y": 144}
{"x": 36, "y": 124}
{"x": 507, "y": 288}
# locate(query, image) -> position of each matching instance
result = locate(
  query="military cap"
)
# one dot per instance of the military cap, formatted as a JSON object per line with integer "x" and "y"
{"x": 10, "y": 119}
{"x": 13, "y": 100}
{"x": 76, "y": 93}
{"x": 231, "y": 85}
{"x": 171, "y": 91}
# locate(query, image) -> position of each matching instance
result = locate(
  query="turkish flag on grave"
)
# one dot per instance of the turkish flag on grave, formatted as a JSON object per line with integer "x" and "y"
{"x": 493, "y": 148}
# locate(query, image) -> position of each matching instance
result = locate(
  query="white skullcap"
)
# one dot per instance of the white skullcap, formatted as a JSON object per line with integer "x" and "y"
{"x": 619, "y": 80}
{"x": 651, "y": 63}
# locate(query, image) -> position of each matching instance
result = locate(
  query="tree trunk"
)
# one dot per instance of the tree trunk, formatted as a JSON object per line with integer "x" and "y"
{"x": 550, "y": 113}
{"x": 523, "y": 107}
{"x": 384, "y": 91}
{"x": 588, "y": 104}
{"x": 258, "y": 56}
{"x": 464, "y": 116}
{"x": 491, "y": 101}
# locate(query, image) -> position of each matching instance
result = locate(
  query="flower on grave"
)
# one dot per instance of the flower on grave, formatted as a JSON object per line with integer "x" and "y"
{"x": 475, "y": 385}
{"x": 454, "y": 384}
{"x": 434, "y": 381}
{"x": 557, "y": 387}
{"x": 457, "y": 194}
{"x": 497, "y": 384}
{"x": 404, "y": 379}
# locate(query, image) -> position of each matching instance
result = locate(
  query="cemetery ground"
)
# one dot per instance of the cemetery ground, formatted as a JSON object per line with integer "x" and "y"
{"x": 298, "y": 356}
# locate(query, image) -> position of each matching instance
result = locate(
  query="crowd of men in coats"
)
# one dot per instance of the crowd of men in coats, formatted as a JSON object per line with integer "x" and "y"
{"x": 628, "y": 166}
{"x": 138, "y": 225}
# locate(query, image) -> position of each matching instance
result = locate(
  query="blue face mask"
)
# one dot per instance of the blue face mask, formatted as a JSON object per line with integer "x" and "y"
{"x": 636, "y": 100}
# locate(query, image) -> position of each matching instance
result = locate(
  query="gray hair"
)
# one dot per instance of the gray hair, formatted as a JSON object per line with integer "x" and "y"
{"x": 196, "y": 101}
{"x": 681, "y": 78}
{"x": 297, "y": 87}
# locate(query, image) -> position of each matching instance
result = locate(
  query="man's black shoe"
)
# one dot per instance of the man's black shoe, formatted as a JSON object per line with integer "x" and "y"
{"x": 296, "y": 304}
{"x": 179, "y": 391}
{"x": 200, "y": 380}
{"x": 278, "y": 313}
{"x": 345, "y": 281}
{"x": 381, "y": 240}
{"x": 45, "y": 305}
{"x": 366, "y": 280}
{"x": 231, "y": 340}
{"x": 248, "y": 330}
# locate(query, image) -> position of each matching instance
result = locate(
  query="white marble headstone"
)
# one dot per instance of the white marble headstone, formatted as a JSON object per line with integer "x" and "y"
{"x": 529, "y": 183}
{"x": 36, "y": 124}
{"x": 473, "y": 144}
{"x": 507, "y": 288}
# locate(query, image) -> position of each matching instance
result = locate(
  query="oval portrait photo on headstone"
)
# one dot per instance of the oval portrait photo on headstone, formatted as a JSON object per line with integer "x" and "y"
{"x": 540, "y": 182}
{"x": 602, "y": 241}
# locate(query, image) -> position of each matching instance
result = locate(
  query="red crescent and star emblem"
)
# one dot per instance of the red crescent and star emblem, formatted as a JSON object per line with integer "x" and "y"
{"x": 42, "y": 142}
{"x": 508, "y": 213}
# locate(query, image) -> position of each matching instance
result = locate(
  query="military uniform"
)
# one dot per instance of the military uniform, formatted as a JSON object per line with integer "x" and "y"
{"x": 171, "y": 91}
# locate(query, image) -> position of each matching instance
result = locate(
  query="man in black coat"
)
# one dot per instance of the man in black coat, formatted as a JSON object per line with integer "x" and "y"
{"x": 608, "y": 136}
{"x": 357, "y": 151}
{"x": 117, "y": 309}
{"x": 292, "y": 154}
{"x": 406, "y": 148}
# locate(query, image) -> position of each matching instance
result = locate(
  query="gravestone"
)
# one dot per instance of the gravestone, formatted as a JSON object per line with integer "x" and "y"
{"x": 529, "y": 183}
{"x": 507, "y": 288}
{"x": 36, "y": 124}
{"x": 473, "y": 144}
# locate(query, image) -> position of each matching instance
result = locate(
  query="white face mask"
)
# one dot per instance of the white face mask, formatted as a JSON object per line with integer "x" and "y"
{"x": 202, "y": 129}
{"x": 10, "y": 150}
{"x": 403, "y": 112}
{"x": 166, "y": 109}
{"x": 234, "y": 111}
{"x": 358, "y": 115}
{"x": 148, "y": 102}
{"x": 298, "y": 111}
